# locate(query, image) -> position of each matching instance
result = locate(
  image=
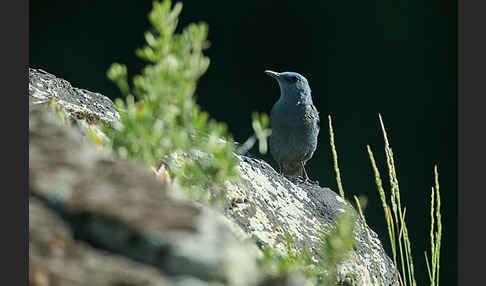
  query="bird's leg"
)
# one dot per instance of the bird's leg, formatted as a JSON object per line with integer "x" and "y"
{"x": 306, "y": 178}
{"x": 304, "y": 173}
{"x": 280, "y": 168}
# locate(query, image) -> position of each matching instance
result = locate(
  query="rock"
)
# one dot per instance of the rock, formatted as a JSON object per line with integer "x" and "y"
{"x": 115, "y": 212}
{"x": 76, "y": 102}
{"x": 118, "y": 207}
{"x": 290, "y": 280}
{"x": 56, "y": 259}
{"x": 273, "y": 206}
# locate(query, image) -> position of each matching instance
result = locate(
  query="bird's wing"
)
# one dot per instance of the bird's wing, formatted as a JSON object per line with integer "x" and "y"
{"x": 316, "y": 114}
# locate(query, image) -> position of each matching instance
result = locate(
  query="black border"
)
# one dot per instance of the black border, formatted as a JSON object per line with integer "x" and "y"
{"x": 14, "y": 117}
{"x": 472, "y": 128}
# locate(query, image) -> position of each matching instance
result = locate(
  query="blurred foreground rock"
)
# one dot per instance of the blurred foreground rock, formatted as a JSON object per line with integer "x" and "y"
{"x": 98, "y": 220}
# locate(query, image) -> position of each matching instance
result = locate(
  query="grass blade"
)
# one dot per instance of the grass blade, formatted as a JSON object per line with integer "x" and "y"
{"x": 334, "y": 156}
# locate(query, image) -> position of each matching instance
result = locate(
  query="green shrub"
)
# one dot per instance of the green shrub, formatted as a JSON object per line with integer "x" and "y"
{"x": 160, "y": 120}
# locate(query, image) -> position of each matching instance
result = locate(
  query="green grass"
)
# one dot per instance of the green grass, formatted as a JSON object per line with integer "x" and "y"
{"x": 435, "y": 233}
{"x": 335, "y": 158}
{"x": 395, "y": 217}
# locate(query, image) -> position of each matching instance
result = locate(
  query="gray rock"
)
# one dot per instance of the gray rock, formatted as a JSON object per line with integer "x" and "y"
{"x": 55, "y": 258}
{"x": 76, "y": 102}
{"x": 120, "y": 208}
{"x": 294, "y": 279}
{"x": 272, "y": 206}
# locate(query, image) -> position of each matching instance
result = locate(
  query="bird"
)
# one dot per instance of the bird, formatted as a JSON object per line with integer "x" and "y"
{"x": 294, "y": 124}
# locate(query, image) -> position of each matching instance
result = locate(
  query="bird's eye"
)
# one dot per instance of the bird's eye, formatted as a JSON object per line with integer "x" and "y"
{"x": 292, "y": 79}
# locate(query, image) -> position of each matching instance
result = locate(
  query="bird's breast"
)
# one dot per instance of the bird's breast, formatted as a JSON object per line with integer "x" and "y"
{"x": 294, "y": 130}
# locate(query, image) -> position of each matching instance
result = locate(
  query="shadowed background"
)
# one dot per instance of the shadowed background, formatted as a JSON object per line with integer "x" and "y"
{"x": 361, "y": 58}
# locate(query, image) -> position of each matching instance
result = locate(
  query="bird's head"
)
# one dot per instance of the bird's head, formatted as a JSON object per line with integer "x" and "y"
{"x": 291, "y": 84}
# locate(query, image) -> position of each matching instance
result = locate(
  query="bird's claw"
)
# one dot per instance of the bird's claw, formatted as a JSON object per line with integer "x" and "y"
{"x": 316, "y": 182}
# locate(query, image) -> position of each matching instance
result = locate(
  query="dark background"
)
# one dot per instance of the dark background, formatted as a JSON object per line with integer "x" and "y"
{"x": 361, "y": 58}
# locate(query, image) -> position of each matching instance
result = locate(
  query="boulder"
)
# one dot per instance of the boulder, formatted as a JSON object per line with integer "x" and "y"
{"x": 271, "y": 207}
{"x": 99, "y": 220}
{"x": 116, "y": 213}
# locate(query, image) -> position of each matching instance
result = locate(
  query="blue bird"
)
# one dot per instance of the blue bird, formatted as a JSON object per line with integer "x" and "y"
{"x": 294, "y": 121}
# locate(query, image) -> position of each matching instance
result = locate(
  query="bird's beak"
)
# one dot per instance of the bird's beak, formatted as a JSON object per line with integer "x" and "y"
{"x": 273, "y": 74}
